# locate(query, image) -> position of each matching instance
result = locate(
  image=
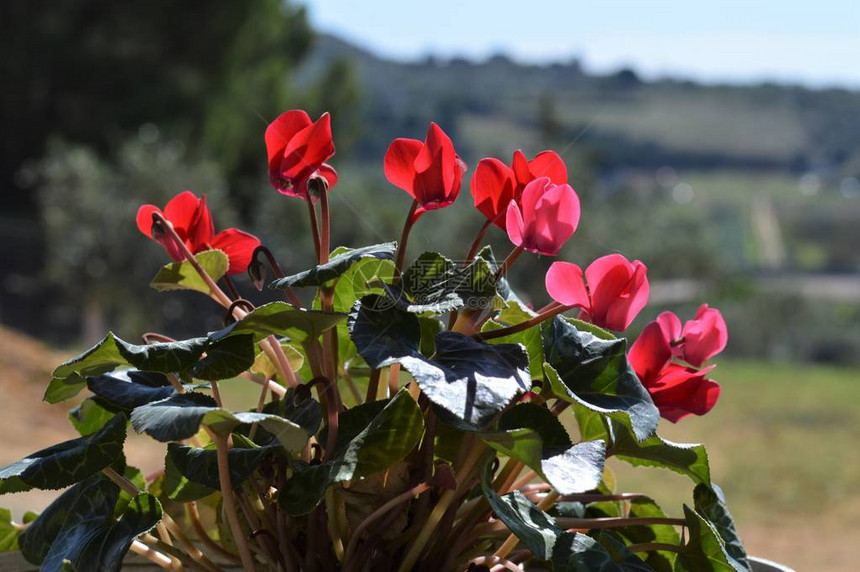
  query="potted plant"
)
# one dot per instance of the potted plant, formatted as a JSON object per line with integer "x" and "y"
{"x": 415, "y": 415}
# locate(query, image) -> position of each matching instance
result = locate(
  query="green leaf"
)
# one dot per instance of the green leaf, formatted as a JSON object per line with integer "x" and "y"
{"x": 436, "y": 284}
{"x": 281, "y": 319}
{"x": 386, "y": 438}
{"x": 66, "y": 463}
{"x": 180, "y": 416}
{"x": 263, "y": 365}
{"x": 533, "y": 435}
{"x": 687, "y": 459}
{"x": 595, "y": 373}
{"x": 8, "y": 531}
{"x": 704, "y": 550}
{"x": 659, "y": 560}
{"x": 536, "y": 529}
{"x": 90, "y": 416}
{"x": 337, "y": 266}
{"x": 200, "y": 465}
{"x": 575, "y": 552}
{"x": 173, "y": 419}
{"x": 106, "y": 551}
{"x": 514, "y": 313}
{"x": 177, "y": 487}
{"x": 226, "y": 358}
{"x": 710, "y": 502}
{"x": 306, "y": 413}
{"x": 382, "y": 333}
{"x": 69, "y": 524}
{"x": 183, "y": 276}
{"x": 124, "y": 389}
{"x": 112, "y": 352}
{"x": 471, "y": 379}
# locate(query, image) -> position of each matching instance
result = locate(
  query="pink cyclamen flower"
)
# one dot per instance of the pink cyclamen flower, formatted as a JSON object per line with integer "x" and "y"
{"x": 430, "y": 171}
{"x": 298, "y": 149}
{"x": 495, "y": 185}
{"x": 545, "y": 218}
{"x": 676, "y": 390}
{"x": 616, "y": 290}
{"x": 700, "y": 339}
{"x": 192, "y": 222}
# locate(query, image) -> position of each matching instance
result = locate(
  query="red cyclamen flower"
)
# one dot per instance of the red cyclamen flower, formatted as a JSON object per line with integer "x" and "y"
{"x": 617, "y": 290}
{"x": 677, "y": 391}
{"x": 430, "y": 171}
{"x": 494, "y": 184}
{"x": 700, "y": 339}
{"x": 192, "y": 221}
{"x": 545, "y": 218}
{"x": 298, "y": 149}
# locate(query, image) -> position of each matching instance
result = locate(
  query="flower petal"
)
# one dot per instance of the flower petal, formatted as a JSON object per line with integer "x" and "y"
{"x": 514, "y": 223}
{"x": 238, "y": 245}
{"x": 181, "y": 211}
{"x": 565, "y": 285}
{"x": 144, "y": 218}
{"x": 493, "y": 186}
{"x": 280, "y": 132}
{"x": 548, "y": 164}
{"x": 400, "y": 163}
{"x": 308, "y": 150}
{"x": 705, "y": 336}
{"x": 649, "y": 354}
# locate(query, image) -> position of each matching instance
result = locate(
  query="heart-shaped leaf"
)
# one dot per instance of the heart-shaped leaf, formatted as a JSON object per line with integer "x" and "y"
{"x": 710, "y": 502}
{"x": 66, "y": 463}
{"x": 336, "y": 266}
{"x": 201, "y": 464}
{"x": 595, "y": 373}
{"x": 183, "y": 276}
{"x": 533, "y": 435}
{"x": 64, "y": 529}
{"x": 281, "y": 319}
{"x": 704, "y": 550}
{"x": 374, "y": 439}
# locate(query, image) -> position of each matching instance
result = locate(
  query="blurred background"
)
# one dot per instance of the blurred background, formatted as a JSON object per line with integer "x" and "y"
{"x": 719, "y": 143}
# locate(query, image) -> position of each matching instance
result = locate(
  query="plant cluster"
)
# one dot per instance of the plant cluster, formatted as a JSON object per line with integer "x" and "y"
{"x": 411, "y": 416}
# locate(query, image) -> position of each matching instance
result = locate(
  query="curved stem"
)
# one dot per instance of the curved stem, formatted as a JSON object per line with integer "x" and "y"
{"x": 508, "y": 262}
{"x": 402, "y": 497}
{"x": 448, "y": 497}
{"x": 531, "y": 322}
{"x": 404, "y": 238}
{"x": 194, "y": 517}
{"x": 476, "y": 244}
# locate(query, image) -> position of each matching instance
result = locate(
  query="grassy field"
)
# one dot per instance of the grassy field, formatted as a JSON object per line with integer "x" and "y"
{"x": 782, "y": 443}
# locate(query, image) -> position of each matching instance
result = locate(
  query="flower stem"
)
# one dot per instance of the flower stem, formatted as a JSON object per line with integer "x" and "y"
{"x": 373, "y": 385}
{"x": 325, "y": 231}
{"x": 315, "y": 232}
{"x": 508, "y": 262}
{"x": 516, "y": 328}
{"x": 222, "y": 448}
{"x": 479, "y": 238}
{"x": 401, "y": 498}
{"x": 448, "y": 497}
{"x": 404, "y": 238}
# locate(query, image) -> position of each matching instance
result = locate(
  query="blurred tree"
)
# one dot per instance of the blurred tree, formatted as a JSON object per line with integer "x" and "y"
{"x": 98, "y": 264}
{"x": 339, "y": 92}
{"x": 93, "y": 70}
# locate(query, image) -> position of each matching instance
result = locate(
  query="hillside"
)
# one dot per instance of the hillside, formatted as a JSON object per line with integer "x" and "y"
{"x": 498, "y": 104}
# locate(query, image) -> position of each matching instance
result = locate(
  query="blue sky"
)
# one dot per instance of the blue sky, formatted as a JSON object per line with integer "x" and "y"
{"x": 813, "y": 42}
